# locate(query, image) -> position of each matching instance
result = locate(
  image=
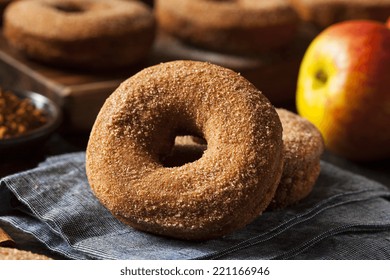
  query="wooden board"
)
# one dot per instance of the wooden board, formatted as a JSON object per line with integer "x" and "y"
{"x": 82, "y": 94}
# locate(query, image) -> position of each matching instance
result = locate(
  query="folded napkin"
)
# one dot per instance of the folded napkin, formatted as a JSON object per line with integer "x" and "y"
{"x": 345, "y": 217}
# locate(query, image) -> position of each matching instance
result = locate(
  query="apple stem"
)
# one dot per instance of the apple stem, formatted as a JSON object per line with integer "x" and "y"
{"x": 321, "y": 76}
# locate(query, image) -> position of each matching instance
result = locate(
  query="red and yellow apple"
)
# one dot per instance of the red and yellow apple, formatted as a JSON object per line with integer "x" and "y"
{"x": 344, "y": 89}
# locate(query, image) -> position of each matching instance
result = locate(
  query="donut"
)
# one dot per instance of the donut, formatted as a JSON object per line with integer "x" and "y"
{"x": 326, "y": 12}
{"x": 90, "y": 34}
{"x": 303, "y": 147}
{"x": 224, "y": 190}
{"x": 234, "y": 26}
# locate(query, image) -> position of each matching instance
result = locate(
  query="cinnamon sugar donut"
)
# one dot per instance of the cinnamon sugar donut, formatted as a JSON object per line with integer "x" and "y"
{"x": 303, "y": 147}
{"x": 228, "y": 187}
{"x": 93, "y": 34}
{"x": 326, "y": 12}
{"x": 239, "y": 26}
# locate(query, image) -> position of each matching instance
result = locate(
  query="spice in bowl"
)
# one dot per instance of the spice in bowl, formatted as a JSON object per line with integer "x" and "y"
{"x": 18, "y": 115}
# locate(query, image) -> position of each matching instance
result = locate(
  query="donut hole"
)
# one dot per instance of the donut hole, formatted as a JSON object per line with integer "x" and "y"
{"x": 186, "y": 149}
{"x": 69, "y": 8}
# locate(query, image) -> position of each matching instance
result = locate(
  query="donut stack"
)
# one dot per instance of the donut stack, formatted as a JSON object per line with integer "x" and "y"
{"x": 249, "y": 164}
{"x": 250, "y": 157}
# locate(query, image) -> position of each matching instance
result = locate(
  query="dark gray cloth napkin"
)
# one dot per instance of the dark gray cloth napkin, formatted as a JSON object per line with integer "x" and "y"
{"x": 345, "y": 217}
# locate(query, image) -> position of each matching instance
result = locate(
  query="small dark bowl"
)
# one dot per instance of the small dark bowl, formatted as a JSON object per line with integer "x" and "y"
{"x": 36, "y": 137}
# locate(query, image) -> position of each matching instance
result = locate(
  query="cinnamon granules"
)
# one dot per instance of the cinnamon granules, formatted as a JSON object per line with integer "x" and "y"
{"x": 18, "y": 115}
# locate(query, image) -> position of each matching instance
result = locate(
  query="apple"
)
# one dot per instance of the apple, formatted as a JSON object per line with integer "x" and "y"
{"x": 343, "y": 88}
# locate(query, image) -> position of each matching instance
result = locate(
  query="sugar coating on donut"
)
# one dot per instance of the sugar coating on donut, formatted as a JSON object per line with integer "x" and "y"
{"x": 303, "y": 147}
{"x": 228, "y": 187}
{"x": 80, "y": 17}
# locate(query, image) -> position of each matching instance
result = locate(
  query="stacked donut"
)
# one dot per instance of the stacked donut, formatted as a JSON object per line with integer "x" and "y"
{"x": 249, "y": 164}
